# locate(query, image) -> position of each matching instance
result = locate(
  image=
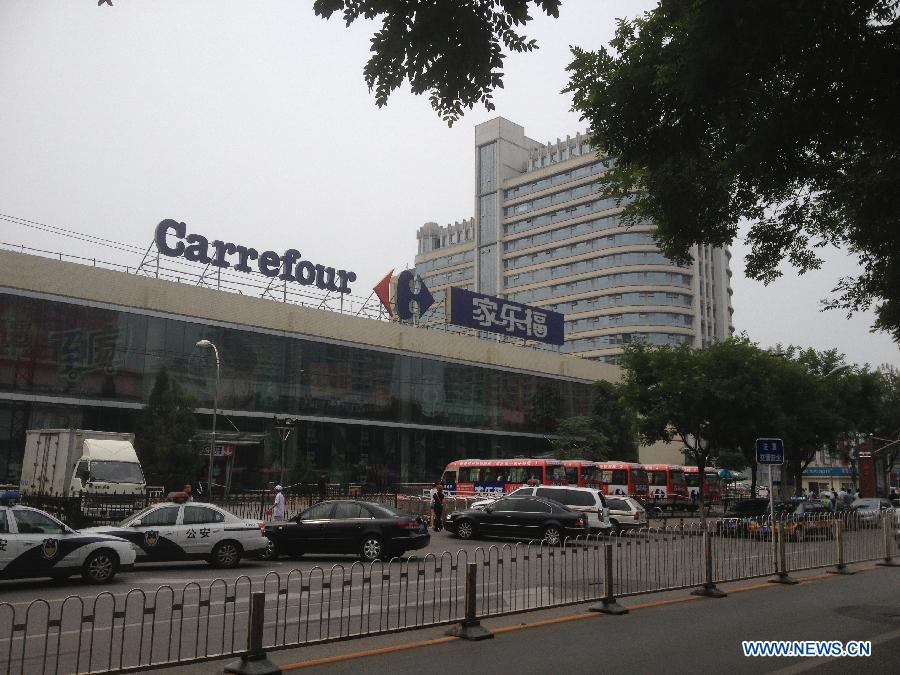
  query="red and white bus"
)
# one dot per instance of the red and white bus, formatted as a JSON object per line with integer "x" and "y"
{"x": 692, "y": 479}
{"x": 623, "y": 478}
{"x": 582, "y": 473}
{"x": 666, "y": 482}
{"x": 480, "y": 476}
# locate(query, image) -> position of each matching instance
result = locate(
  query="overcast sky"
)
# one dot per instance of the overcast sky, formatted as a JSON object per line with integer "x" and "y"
{"x": 249, "y": 120}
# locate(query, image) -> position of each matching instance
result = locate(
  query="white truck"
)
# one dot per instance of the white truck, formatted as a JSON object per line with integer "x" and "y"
{"x": 72, "y": 462}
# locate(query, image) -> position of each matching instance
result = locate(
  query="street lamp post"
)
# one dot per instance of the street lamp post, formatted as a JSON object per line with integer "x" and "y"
{"x": 212, "y": 440}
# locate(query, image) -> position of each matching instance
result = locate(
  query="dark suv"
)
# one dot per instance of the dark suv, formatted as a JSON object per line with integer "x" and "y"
{"x": 735, "y": 520}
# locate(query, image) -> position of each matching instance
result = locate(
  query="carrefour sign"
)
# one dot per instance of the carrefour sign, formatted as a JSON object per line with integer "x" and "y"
{"x": 288, "y": 267}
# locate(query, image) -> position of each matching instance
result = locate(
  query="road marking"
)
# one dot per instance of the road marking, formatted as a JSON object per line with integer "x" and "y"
{"x": 370, "y": 652}
{"x": 809, "y": 664}
{"x": 556, "y": 620}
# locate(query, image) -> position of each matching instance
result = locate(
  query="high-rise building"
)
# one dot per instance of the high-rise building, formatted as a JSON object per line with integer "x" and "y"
{"x": 543, "y": 235}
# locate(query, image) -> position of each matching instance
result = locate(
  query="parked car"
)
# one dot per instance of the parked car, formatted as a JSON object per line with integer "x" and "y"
{"x": 35, "y": 544}
{"x": 520, "y": 518}
{"x": 193, "y": 531}
{"x": 625, "y": 513}
{"x": 801, "y": 520}
{"x": 736, "y": 520}
{"x": 372, "y": 531}
{"x": 867, "y": 511}
{"x": 588, "y": 501}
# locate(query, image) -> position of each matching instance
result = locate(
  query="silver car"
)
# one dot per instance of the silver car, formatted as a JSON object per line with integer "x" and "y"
{"x": 626, "y": 513}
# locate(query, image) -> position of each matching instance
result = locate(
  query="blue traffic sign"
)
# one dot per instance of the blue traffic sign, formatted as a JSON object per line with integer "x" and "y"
{"x": 769, "y": 451}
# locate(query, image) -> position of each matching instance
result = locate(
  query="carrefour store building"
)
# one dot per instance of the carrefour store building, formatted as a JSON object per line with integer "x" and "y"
{"x": 359, "y": 400}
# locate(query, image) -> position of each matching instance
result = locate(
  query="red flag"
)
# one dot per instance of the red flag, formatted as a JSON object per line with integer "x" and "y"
{"x": 383, "y": 291}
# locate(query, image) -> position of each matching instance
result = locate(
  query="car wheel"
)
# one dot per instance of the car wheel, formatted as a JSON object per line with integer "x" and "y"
{"x": 614, "y": 526}
{"x": 465, "y": 529}
{"x": 552, "y": 535}
{"x": 226, "y": 554}
{"x": 100, "y": 567}
{"x": 371, "y": 549}
{"x": 270, "y": 552}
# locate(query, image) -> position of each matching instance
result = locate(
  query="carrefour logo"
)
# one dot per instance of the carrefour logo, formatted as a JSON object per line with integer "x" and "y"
{"x": 225, "y": 254}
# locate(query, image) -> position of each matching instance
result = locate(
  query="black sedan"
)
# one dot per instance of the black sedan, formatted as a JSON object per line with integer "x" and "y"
{"x": 371, "y": 531}
{"x": 520, "y": 518}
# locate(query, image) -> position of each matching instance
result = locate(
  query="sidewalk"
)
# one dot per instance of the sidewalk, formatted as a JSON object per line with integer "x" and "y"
{"x": 355, "y": 654}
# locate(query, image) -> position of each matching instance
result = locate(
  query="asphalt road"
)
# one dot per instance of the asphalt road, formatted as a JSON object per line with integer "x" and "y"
{"x": 166, "y": 612}
{"x": 689, "y": 635}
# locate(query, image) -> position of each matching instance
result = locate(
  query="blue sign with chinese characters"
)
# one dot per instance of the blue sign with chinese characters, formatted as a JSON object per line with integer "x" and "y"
{"x": 496, "y": 315}
{"x": 769, "y": 451}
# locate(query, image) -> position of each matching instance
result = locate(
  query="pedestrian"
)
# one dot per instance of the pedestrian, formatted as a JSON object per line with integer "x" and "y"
{"x": 437, "y": 507}
{"x": 187, "y": 491}
{"x": 323, "y": 487}
{"x": 278, "y": 506}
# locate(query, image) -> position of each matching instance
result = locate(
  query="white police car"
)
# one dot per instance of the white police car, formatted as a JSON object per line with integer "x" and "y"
{"x": 35, "y": 544}
{"x": 190, "y": 531}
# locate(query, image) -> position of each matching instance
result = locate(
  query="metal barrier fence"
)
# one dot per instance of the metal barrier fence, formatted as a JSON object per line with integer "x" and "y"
{"x": 89, "y": 510}
{"x": 259, "y": 505}
{"x": 138, "y": 630}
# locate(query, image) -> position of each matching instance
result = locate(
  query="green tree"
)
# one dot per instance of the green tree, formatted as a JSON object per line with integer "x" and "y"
{"x": 609, "y": 432}
{"x": 164, "y": 434}
{"x": 546, "y": 409}
{"x": 615, "y": 421}
{"x": 713, "y": 400}
{"x": 577, "y": 438}
{"x": 775, "y": 112}
{"x": 452, "y": 49}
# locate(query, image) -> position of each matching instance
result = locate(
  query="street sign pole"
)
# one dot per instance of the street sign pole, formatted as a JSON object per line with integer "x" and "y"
{"x": 770, "y": 451}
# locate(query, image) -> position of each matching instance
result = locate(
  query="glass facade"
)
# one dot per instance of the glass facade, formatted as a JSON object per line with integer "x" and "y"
{"x": 622, "y": 300}
{"x": 616, "y": 339}
{"x": 487, "y": 273}
{"x": 447, "y": 261}
{"x": 602, "y": 282}
{"x": 559, "y": 178}
{"x": 487, "y": 168}
{"x": 629, "y": 319}
{"x": 82, "y": 359}
{"x": 567, "y": 213}
{"x": 580, "y": 247}
{"x": 589, "y": 265}
{"x": 488, "y": 218}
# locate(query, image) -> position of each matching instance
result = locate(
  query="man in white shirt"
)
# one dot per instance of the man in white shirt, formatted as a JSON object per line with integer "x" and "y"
{"x": 278, "y": 507}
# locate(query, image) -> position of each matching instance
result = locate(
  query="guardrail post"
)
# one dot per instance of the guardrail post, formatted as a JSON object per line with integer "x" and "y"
{"x": 255, "y": 661}
{"x": 840, "y": 567}
{"x": 608, "y": 604}
{"x": 887, "y": 518}
{"x": 471, "y": 628}
{"x": 783, "y": 576}
{"x": 709, "y": 588}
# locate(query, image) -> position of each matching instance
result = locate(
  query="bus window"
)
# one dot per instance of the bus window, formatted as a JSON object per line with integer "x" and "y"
{"x": 469, "y": 474}
{"x": 677, "y": 478}
{"x": 656, "y": 477}
{"x": 571, "y": 473}
{"x": 517, "y": 474}
{"x": 590, "y": 475}
{"x": 619, "y": 477}
{"x": 639, "y": 477}
{"x": 557, "y": 474}
{"x": 449, "y": 477}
